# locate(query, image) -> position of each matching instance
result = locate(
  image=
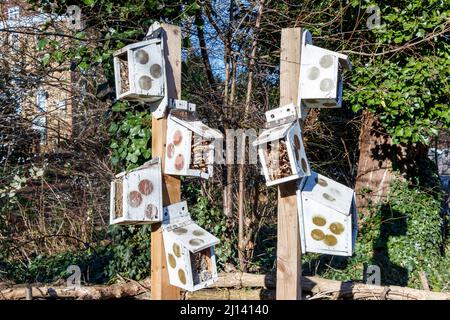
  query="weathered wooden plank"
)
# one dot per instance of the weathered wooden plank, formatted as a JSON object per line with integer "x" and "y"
{"x": 289, "y": 268}
{"x": 161, "y": 289}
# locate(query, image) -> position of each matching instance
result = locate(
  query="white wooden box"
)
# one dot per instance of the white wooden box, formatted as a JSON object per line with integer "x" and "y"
{"x": 280, "y": 147}
{"x": 189, "y": 145}
{"x": 327, "y": 216}
{"x": 189, "y": 249}
{"x": 140, "y": 74}
{"x": 136, "y": 195}
{"x": 320, "y": 84}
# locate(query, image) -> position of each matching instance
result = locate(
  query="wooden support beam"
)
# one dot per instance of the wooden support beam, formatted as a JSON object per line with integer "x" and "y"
{"x": 160, "y": 287}
{"x": 289, "y": 267}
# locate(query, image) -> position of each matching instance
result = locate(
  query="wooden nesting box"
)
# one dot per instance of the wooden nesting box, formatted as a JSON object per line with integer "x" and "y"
{"x": 320, "y": 84}
{"x": 136, "y": 195}
{"x": 140, "y": 74}
{"x": 280, "y": 147}
{"x": 327, "y": 216}
{"x": 189, "y": 145}
{"x": 189, "y": 249}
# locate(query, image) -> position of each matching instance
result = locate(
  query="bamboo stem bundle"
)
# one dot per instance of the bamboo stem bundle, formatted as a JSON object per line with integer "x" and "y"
{"x": 118, "y": 198}
{"x": 200, "y": 270}
{"x": 124, "y": 77}
{"x": 278, "y": 160}
{"x": 200, "y": 154}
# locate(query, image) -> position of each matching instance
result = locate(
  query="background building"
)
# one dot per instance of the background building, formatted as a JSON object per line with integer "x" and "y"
{"x": 43, "y": 95}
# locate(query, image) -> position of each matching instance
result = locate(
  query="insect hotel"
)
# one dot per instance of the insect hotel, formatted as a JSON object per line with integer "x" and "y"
{"x": 280, "y": 147}
{"x": 327, "y": 216}
{"x": 189, "y": 249}
{"x": 189, "y": 145}
{"x": 140, "y": 73}
{"x": 136, "y": 195}
{"x": 320, "y": 84}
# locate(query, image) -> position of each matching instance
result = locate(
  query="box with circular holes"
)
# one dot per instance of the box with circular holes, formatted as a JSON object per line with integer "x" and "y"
{"x": 189, "y": 249}
{"x": 280, "y": 147}
{"x": 320, "y": 83}
{"x": 136, "y": 195}
{"x": 140, "y": 74}
{"x": 327, "y": 216}
{"x": 189, "y": 145}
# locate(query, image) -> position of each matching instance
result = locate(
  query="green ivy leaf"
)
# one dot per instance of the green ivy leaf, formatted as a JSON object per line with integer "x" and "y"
{"x": 42, "y": 43}
{"x": 89, "y": 2}
{"x": 46, "y": 59}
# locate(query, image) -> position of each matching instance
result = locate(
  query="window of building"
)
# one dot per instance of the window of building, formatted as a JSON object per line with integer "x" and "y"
{"x": 41, "y": 101}
{"x": 3, "y": 42}
{"x": 61, "y": 105}
{"x": 18, "y": 107}
{"x": 40, "y": 121}
{"x": 13, "y": 13}
{"x": 15, "y": 41}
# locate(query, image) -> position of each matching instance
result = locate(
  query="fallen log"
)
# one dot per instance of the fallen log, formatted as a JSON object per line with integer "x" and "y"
{"x": 232, "y": 286}
{"x": 331, "y": 288}
{"x": 230, "y": 294}
{"x": 100, "y": 292}
{"x": 245, "y": 280}
{"x": 337, "y": 289}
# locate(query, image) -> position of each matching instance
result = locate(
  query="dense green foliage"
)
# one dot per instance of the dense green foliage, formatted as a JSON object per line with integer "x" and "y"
{"x": 403, "y": 236}
{"x": 130, "y": 137}
{"x": 406, "y": 79}
{"x": 211, "y": 218}
{"x": 127, "y": 254}
{"x": 401, "y": 73}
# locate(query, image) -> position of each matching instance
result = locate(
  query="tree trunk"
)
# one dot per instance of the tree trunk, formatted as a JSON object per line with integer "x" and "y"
{"x": 243, "y": 240}
{"x": 374, "y": 166}
{"x": 227, "y": 199}
{"x": 204, "y": 52}
{"x": 228, "y": 191}
{"x": 378, "y": 159}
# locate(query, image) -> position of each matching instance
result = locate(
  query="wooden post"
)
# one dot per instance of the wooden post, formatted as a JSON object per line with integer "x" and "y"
{"x": 28, "y": 292}
{"x": 289, "y": 266}
{"x": 160, "y": 287}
